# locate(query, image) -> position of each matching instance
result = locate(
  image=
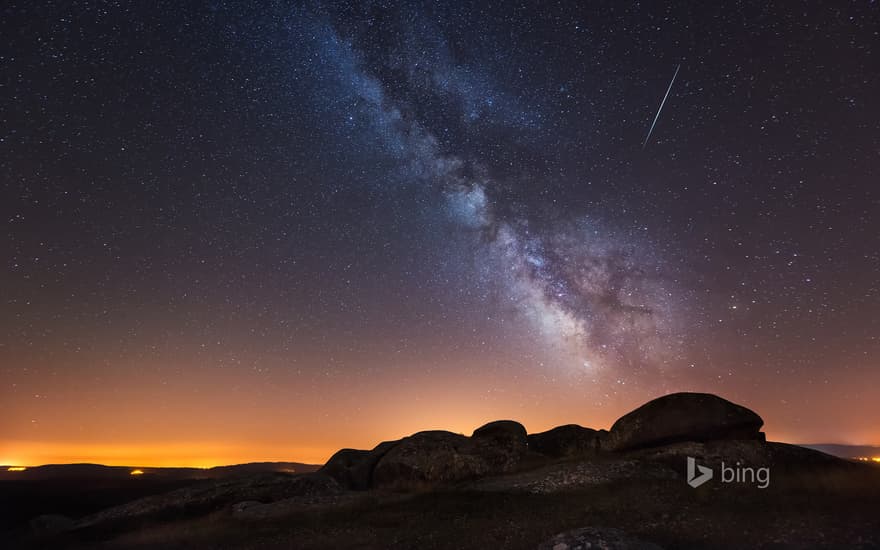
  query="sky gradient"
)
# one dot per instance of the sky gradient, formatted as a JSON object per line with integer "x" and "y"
{"x": 237, "y": 232}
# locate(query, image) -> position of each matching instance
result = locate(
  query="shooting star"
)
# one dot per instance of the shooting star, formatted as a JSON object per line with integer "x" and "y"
{"x": 662, "y": 103}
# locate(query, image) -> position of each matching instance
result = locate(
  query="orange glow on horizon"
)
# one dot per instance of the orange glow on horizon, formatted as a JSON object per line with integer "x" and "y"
{"x": 159, "y": 455}
{"x": 197, "y": 455}
{"x": 137, "y": 472}
{"x": 218, "y": 426}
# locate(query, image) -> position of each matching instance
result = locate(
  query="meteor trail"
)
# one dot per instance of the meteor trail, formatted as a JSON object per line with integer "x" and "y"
{"x": 662, "y": 103}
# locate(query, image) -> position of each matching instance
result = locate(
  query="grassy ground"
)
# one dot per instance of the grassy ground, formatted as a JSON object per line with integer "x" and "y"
{"x": 21, "y": 500}
{"x": 807, "y": 505}
{"x": 666, "y": 512}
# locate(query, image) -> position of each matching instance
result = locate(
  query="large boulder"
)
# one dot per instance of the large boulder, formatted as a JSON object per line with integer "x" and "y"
{"x": 508, "y": 431}
{"x": 683, "y": 417}
{"x": 340, "y": 465}
{"x": 502, "y": 444}
{"x": 566, "y": 441}
{"x": 353, "y": 468}
{"x": 428, "y": 458}
{"x": 433, "y": 458}
{"x": 362, "y": 472}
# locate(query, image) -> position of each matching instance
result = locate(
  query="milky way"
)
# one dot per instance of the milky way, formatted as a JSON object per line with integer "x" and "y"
{"x": 602, "y": 301}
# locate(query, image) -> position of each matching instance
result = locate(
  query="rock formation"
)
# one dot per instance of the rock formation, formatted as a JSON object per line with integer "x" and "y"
{"x": 683, "y": 417}
{"x": 566, "y": 441}
{"x": 431, "y": 458}
{"x": 438, "y": 457}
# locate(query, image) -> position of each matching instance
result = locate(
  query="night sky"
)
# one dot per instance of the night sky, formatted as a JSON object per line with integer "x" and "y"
{"x": 237, "y": 232}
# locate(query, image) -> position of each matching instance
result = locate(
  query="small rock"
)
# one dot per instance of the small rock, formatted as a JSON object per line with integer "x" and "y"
{"x": 598, "y": 537}
{"x": 240, "y": 507}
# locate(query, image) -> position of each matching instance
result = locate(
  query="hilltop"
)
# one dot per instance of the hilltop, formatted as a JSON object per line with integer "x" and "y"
{"x": 684, "y": 470}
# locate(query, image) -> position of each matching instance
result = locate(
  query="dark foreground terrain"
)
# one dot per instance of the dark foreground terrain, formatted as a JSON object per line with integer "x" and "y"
{"x": 77, "y": 490}
{"x": 502, "y": 488}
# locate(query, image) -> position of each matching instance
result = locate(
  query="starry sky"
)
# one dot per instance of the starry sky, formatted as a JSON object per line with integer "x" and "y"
{"x": 264, "y": 231}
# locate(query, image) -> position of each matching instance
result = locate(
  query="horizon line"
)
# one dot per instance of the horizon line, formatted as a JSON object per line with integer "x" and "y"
{"x": 222, "y": 465}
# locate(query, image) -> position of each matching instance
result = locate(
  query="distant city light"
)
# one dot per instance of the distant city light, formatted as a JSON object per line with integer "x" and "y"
{"x": 16, "y": 469}
{"x": 137, "y": 472}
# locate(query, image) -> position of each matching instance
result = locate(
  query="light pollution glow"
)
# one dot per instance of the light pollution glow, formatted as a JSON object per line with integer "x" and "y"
{"x": 274, "y": 433}
{"x": 204, "y": 422}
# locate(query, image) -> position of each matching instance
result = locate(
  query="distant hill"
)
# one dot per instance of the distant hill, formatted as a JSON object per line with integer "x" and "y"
{"x": 845, "y": 451}
{"x": 101, "y": 472}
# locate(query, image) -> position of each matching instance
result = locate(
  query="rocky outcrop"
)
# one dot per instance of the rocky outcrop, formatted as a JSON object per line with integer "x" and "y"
{"x": 596, "y": 537}
{"x": 567, "y": 441}
{"x": 683, "y": 417}
{"x": 431, "y": 458}
{"x": 439, "y": 457}
{"x": 428, "y": 458}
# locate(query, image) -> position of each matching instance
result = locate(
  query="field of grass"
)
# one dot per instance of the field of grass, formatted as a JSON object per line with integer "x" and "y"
{"x": 666, "y": 512}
